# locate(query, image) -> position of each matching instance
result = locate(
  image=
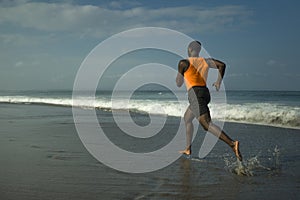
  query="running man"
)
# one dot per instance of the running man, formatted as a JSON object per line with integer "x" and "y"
{"x": 193, "y": 71}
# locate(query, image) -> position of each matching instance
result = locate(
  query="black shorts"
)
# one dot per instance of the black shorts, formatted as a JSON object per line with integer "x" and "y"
{"x": 199, "y": 98}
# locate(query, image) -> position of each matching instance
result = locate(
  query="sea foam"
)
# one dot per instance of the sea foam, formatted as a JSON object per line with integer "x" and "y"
{"x": 254, "y": 113}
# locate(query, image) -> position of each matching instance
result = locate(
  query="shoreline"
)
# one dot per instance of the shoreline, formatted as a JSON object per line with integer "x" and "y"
{"x": 109, "y": 110}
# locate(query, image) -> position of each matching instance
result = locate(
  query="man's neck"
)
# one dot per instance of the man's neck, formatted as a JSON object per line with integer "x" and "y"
{"x": 194, "y": 55}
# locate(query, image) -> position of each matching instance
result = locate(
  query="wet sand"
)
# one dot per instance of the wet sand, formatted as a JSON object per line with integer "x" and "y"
{"x": 42, "y": 157}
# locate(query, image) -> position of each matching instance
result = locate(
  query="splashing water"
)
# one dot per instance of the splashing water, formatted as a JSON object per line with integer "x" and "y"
{"x": 253, "y": 166}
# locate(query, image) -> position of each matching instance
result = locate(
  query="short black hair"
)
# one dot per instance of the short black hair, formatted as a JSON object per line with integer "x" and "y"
{"x": 195, "y": 45}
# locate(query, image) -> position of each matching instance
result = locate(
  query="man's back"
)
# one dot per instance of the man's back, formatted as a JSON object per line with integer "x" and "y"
{"x": 196, "y": 73}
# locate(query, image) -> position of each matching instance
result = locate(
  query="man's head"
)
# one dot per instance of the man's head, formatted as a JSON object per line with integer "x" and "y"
{"x": 194, "y": 49}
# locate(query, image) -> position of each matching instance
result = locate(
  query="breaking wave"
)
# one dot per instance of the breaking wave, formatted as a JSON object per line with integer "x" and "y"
{"x": 254, "y": 113}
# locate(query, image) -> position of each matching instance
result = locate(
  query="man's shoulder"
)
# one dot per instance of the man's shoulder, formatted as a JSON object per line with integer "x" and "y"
{"x": 183, "y": 65}
{"x": 184, "y": 62}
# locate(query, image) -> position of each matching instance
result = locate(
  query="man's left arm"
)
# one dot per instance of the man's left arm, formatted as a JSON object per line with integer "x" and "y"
{"x": 182, "y": 67}
{"x": 217, "y": 64}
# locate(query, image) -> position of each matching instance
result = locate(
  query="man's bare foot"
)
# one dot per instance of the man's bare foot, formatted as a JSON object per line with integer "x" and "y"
{"x": 236, "y": 150}
{"x": 186, "y": 152}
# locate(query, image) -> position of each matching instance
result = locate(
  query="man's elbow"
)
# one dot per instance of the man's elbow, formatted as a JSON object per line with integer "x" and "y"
{"x": 179, "y": 82}
{"x": 223, "y": 66}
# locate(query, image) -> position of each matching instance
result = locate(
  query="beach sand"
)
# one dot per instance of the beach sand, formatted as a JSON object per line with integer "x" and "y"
{"x": 42, "y": 157}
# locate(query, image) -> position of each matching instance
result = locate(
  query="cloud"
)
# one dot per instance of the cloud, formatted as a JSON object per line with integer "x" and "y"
{"x": 123, "y": 3}
{"x": 271, "y": 62}
{"x": 238, "y": 75}
{"x": 19, "y": 64}
{"x": 47, "y": 16}
{"x": 275, "y": 63}
{"x": 100, "y": 21}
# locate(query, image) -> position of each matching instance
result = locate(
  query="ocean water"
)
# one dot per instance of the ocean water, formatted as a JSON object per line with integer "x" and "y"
{"x": 272, "y": 108}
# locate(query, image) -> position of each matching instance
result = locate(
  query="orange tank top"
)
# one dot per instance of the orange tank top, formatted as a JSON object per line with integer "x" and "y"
{"x": 196, "y": 74}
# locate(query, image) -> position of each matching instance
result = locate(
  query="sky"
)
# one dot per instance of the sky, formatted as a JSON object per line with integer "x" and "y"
{"x": 43, "y": 43}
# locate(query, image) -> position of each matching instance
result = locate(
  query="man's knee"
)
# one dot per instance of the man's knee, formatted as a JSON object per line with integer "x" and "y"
{"x": 204, "y": 121}
{"x": 204, "y": 125}
{"x": 188, "y": 119}
{"x": 188, "y": 116}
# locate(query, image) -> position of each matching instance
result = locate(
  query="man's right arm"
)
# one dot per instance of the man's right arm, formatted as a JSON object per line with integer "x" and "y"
{"x": 213, "y": 63}
{"x": 182, "y": 67}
